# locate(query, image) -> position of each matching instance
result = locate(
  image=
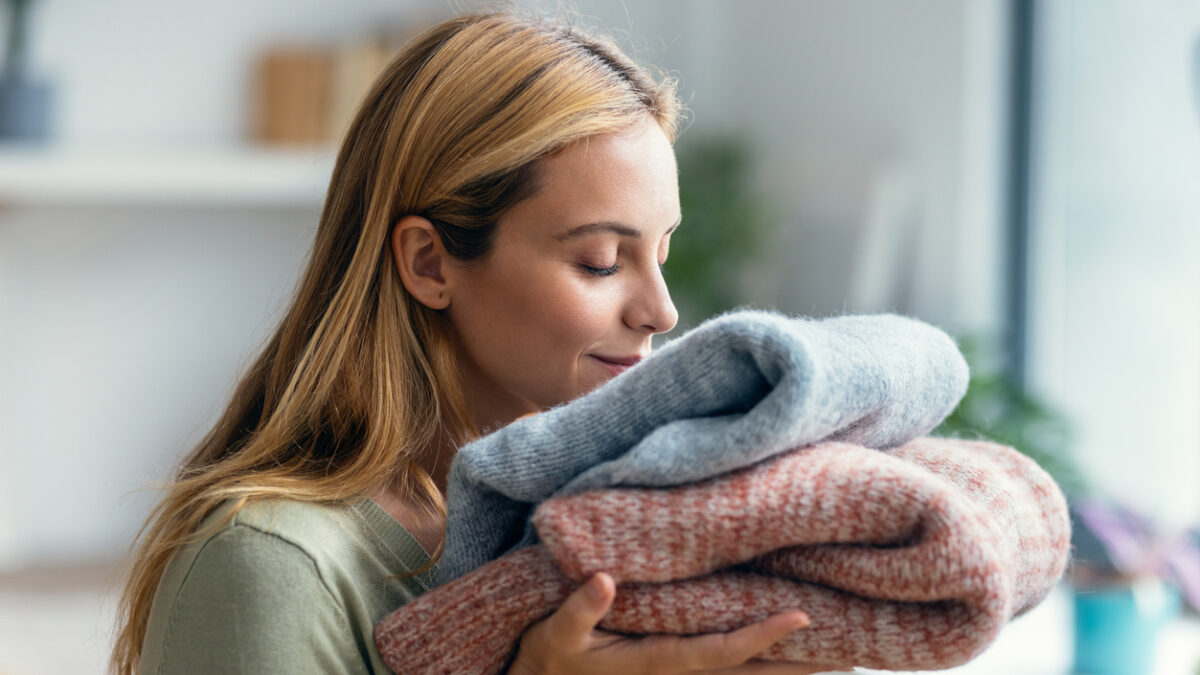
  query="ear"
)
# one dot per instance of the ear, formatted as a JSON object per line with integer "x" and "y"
{"x": 421, "y": 258}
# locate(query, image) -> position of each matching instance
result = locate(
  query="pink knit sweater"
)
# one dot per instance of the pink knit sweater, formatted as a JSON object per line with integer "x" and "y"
{"x": 907, "y": 559}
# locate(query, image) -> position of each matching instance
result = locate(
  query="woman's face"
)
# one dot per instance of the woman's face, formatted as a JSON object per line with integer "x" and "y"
{"x": 572, "y": 290}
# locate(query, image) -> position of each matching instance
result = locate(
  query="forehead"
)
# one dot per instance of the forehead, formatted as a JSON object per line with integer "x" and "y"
{"x": 628, "y": 177}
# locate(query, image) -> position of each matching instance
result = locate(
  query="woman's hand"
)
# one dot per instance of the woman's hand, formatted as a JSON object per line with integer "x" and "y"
{"x": 568, "y": 641}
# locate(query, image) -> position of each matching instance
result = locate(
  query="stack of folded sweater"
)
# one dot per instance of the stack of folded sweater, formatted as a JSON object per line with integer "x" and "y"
{"x": 754, "y": 465}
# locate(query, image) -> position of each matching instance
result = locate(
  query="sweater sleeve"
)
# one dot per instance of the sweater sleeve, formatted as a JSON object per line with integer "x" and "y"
{"x": 253, "y": 602}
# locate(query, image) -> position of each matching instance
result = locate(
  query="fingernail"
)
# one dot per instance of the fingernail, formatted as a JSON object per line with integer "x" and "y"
{"x": 596, "y": 589}
{"x": 801, "y": 620}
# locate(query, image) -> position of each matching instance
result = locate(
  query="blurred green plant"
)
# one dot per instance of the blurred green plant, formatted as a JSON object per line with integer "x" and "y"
{"x": 724, "y": 226}
{"x": 997, "y": 408}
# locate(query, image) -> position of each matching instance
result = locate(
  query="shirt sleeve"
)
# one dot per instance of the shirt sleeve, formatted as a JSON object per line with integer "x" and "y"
{"x": 254, "y": 602}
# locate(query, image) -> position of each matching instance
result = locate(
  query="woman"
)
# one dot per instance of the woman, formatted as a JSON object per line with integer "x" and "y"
{"x": 490, "y": 246}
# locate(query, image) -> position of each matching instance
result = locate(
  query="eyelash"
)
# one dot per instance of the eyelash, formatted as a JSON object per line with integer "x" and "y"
{"x": 609, "y": 271}
{"x": 601, "y": 271}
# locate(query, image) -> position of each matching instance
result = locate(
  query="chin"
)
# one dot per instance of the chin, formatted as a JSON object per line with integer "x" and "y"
{"x": 595, "y": 385}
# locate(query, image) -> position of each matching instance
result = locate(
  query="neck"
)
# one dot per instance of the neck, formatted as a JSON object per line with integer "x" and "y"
{"x": 411, "y": 511}
{"x": 436, "y": 461}
{"x": 492, "y": 407}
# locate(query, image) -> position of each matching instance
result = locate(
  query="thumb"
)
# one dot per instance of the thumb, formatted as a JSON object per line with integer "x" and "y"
{"x": 582, "y": 610}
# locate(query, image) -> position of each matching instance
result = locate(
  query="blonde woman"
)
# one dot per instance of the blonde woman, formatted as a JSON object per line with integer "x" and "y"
{"x": 490, "y": 246}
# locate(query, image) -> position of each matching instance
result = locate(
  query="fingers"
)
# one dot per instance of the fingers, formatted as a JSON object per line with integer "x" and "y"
{"x": 724, "y": 650}
{"x": 574, "y": 621}
{"x": 568, "y": 641}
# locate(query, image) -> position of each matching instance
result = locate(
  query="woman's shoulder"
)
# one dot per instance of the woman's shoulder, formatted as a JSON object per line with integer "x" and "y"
{"x": 344, "y": 554}
{"x": 349, "y": 535}
{"x": 254, "y": 570}
{"x": 312, "y": 527}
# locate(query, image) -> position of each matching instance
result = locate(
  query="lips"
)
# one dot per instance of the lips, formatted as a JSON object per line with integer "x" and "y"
{"x": 617, "y": 364}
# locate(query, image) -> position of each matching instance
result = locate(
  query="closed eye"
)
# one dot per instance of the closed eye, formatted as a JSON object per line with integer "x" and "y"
{"x": 601, "y": 271}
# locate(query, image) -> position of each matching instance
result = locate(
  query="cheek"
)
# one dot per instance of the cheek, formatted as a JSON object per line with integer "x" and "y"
{"x": 566, "y": 315}
{"x": 532, "y": 315}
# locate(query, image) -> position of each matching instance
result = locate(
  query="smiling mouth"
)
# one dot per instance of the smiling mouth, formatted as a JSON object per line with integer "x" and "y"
{"x": 617, "y": 364}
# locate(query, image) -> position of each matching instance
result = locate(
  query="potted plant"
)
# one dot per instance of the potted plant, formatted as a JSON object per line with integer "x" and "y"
{"x": 24, "y": 102}
{"x": 1129, "y": 572}
{"x": 1127, "y": 569}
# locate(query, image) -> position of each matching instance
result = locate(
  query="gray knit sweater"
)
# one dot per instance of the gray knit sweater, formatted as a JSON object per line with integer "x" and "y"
{"x": 737, "y": 389}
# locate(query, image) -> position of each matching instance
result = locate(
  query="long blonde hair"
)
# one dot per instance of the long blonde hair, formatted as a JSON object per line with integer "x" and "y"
{"x": 360, "y": 379}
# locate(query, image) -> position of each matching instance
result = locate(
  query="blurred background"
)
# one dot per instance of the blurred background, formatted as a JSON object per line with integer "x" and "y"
{"x": 1024, "y": 175}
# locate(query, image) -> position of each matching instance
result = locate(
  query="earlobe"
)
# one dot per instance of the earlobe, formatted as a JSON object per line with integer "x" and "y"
{"x": 420, "y": 258}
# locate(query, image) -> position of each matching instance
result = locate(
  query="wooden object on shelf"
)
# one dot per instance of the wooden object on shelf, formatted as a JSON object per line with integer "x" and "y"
{"x": 291, "y": 97}
{"x": 307, "y": 95}
{"x": 356, "y": 64}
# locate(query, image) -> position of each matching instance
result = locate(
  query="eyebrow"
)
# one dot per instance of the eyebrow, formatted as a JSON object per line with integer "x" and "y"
{"x": 608, "y": 226}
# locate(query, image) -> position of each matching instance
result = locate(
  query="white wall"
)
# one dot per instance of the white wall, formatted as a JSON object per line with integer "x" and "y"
{"x": 121, "y": 332}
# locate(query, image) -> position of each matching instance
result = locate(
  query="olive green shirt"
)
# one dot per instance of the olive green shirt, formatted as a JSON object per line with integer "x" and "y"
{"x": 285, "y": 586}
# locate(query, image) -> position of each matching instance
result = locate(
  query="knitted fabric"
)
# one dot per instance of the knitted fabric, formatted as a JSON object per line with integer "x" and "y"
{"x": 908, "y": 559}
{"x": 735, "y": 390}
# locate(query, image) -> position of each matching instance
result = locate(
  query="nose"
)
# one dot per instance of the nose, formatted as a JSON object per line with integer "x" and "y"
{"x": 649, "y": 308}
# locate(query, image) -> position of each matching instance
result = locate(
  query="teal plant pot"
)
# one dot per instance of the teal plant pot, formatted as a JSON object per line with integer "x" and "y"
{"x": 1116, "y": 629}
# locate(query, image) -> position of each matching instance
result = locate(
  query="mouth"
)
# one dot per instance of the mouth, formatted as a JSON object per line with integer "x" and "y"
{"x": 617, "y": 364}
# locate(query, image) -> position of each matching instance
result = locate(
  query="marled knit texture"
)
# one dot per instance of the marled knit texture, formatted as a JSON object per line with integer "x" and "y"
{"x": 909, "y": 559}
{"x": 737, "y": 389}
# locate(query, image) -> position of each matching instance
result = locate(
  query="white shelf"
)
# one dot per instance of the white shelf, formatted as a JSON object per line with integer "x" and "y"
{"x": 164, "y": 177}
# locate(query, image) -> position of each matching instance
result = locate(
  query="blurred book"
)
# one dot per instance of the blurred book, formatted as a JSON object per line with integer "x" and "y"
{"x": 306, "y": 95}
{"x": 292, "y": 87}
